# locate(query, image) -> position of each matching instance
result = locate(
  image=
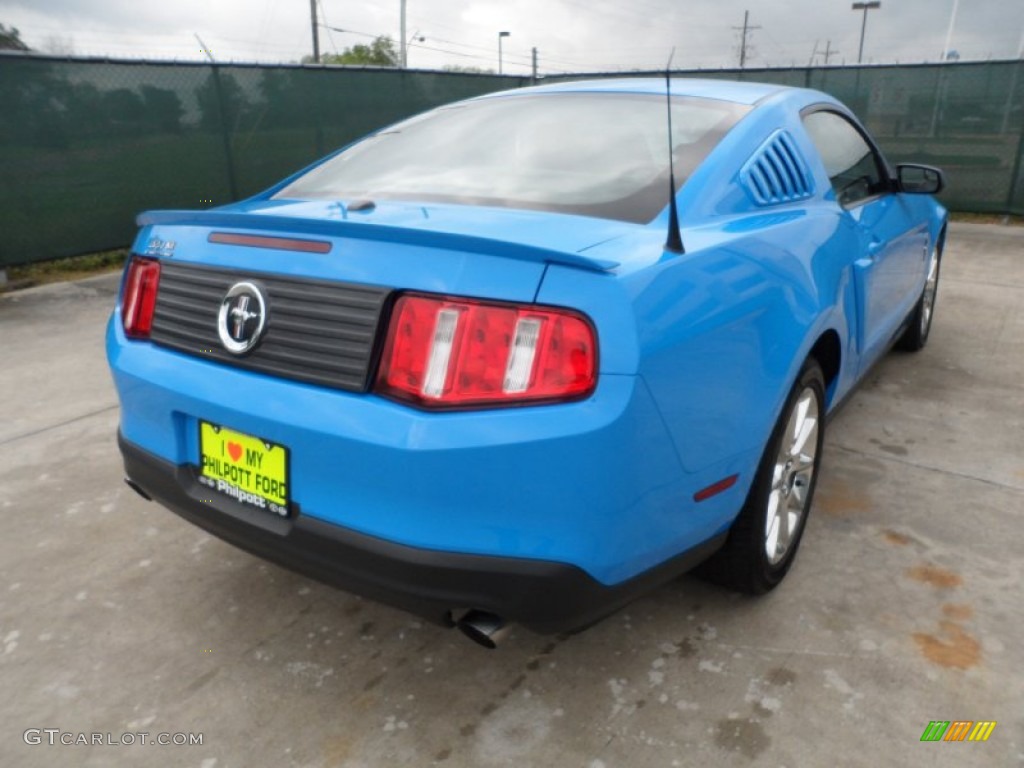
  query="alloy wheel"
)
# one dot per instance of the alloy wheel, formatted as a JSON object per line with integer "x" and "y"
{"x": 793, "y": 474}
{"x": 930, "y": 287}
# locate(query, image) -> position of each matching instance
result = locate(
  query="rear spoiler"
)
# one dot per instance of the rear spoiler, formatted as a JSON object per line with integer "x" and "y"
{"x": 377, "y": 232}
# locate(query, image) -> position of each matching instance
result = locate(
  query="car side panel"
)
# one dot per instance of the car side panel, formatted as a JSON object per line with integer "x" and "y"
{"x": 889, "y": 270}
{"x": 721, "y": 331}
{"x": 721, "y": 359}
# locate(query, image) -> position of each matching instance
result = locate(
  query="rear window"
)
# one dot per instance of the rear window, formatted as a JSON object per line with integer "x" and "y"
{"x": 591, "y": 154}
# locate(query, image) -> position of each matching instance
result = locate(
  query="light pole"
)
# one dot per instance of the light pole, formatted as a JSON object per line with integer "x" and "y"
{"x": 500, "y": 36}
{"x": 404, "y": 56}
{"x": 417, "y": 37}
{"x": 864, "y": 23}
{"x": 949, "y": 32}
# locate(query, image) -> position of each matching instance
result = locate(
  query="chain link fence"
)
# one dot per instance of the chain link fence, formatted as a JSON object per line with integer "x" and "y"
{"x": 85, "y": 144}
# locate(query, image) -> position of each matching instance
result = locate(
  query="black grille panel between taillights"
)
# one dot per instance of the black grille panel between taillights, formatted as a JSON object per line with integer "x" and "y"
{"x": 316, "y": 331}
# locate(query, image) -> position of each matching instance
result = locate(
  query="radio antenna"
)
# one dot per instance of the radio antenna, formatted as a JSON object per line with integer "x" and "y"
{"x": 674, "y": 241}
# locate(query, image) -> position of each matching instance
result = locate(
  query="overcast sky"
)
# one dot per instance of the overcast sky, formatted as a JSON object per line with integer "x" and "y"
{"x": 570, "y": 35}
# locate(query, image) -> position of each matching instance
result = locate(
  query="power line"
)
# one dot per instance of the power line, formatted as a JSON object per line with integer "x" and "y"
{"x": 776, "y": 43}
{"x": 629, "y": 11}
{"x": 522, "y": 60}
{"x": 476, "y": 56}
{"x": 351, "y": 32}
{"x": 261, "y": 35}
{"x": 326, "y": 24}
{"x": 702, "y": 52}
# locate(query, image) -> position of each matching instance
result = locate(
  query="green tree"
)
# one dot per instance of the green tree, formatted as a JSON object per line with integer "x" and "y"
{"x": 380, "y": 53}
{"x": 288, "y": 97}
{"x": 10, "y": 39}
{"x": 33, "y": 103}
{"x": 82, "y": 108}
{"x": 220, "y": 98}
{"x": 471, "y": 70}
{"x": 122, "y": 104}
{"x": 162, "y": 108}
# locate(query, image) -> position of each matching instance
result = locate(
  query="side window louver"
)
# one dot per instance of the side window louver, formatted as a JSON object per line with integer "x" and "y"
{"x": 777, "y": 172}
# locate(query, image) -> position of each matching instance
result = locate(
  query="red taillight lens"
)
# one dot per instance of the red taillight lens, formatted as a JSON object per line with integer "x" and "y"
{"x": 139, "y": 299}
{"x": 449, "y": 352}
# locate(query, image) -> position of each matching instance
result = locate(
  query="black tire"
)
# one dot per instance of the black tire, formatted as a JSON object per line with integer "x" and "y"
{"x": 743, "y": 562}
{"x": 919, "y": 325}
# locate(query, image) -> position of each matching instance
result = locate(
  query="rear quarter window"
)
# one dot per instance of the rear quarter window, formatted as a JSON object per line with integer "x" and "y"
{"x": 851, "y": 164}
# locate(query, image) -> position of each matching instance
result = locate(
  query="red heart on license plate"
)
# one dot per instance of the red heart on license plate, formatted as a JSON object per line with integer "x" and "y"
{"x": 235, "y": 451}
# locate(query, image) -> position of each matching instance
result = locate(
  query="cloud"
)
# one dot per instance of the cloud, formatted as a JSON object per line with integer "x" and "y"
{"x": 571, "y": 35}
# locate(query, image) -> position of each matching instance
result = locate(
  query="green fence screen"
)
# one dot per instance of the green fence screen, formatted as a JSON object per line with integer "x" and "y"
{"x": 967, "y": 118}
{"x": 86, "y": 144}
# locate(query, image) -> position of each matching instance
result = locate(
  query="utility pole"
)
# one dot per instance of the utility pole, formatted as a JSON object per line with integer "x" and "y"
{"x": 404, "y": 58}
{"x": 316, "y": 32}
{"x": 746, "y": 29}
{"x": 534, "y": 53}
{"x": 829, "y": 53}
{"x": 868, "y": 6}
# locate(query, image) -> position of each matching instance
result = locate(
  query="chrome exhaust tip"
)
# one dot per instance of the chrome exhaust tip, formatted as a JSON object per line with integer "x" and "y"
{"x": 483, "y": 628}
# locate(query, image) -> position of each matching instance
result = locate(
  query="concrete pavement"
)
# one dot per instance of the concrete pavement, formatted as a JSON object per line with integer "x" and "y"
{"x": 904, "y": 605}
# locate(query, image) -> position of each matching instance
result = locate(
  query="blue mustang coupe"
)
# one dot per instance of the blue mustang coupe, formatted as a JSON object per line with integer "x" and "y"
{"x": 523, "y": 357}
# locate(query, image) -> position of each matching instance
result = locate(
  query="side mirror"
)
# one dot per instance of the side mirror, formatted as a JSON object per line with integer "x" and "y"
{"x": 920, "y": 179}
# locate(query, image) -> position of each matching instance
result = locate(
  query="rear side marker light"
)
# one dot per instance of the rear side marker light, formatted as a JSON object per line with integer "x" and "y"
{"x": 447, "y": 352}
{"x": 138, "y": 301}
{"x": 716, "y": 488}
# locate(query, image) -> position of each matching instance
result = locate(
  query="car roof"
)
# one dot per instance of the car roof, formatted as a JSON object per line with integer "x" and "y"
{"x": 725, "y": 90}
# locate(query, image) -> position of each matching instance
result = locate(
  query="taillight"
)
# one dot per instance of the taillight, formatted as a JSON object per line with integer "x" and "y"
{"x": 139, "y": 299}
{"x": 450, "y": 352}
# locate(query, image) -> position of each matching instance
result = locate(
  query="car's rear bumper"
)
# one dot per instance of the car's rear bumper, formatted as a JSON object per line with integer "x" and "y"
{"x": 542, "y": 595}
{"x": 595, "y": 483}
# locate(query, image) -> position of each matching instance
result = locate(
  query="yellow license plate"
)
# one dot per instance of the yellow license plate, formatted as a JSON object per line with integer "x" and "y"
{"x": 246, "y": 468}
